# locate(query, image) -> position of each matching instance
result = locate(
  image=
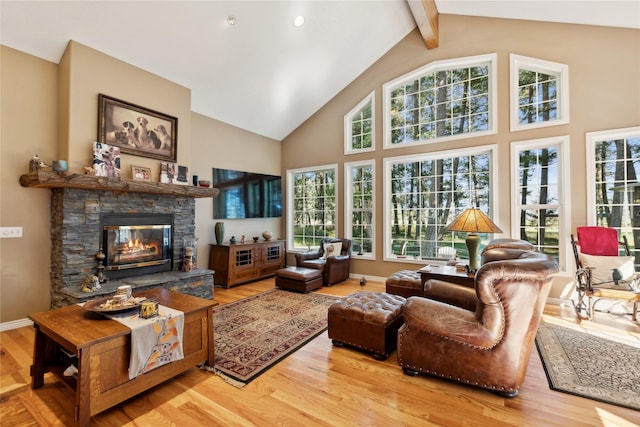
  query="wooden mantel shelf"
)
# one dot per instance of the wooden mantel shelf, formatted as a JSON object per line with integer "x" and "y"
{"x": 48, "y": 179}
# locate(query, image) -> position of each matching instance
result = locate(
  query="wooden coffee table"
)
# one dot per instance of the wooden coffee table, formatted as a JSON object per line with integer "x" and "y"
{"x": 102, "y": 348}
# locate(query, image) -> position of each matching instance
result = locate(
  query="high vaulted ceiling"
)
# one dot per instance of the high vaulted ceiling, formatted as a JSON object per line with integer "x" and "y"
{"x": 262, "y": 74}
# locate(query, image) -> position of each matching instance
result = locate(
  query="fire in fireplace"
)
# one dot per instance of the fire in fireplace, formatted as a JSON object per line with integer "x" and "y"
{"x": 136, "y": 244}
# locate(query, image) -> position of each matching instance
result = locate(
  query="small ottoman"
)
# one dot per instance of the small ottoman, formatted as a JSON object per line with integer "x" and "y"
{"x": 298, "y": 279}
{"x": 406, "y": 283}
{"x": 366, "y": 320}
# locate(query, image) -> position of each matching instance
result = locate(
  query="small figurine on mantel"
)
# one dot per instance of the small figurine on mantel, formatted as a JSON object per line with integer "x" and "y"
{"x": 35, "y": 164}
{"x": 90, "y": 283}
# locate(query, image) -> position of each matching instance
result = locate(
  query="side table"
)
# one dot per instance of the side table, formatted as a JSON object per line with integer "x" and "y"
{"x": 446, "y": 273}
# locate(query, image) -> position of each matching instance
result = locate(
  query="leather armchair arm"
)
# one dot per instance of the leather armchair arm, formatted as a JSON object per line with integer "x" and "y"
{"x": 302, "y": 256}
{"x": 451, "y": 293}
{"x": 449, "y": 322}
{"x": 338, "y": 259}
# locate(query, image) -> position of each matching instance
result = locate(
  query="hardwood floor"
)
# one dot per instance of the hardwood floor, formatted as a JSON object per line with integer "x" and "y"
{"x": 318, "y": 385}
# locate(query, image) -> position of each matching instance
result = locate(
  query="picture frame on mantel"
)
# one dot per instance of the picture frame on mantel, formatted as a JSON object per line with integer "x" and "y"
{"x": 137, "y": 130}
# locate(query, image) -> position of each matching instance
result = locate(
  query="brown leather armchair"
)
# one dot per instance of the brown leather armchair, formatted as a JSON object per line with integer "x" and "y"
{"x": 334, "y": 268}
{"x": 483, "y": 338}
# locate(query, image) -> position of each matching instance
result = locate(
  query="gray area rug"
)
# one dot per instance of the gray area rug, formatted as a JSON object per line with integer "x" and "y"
{"x": 589, "y": 365}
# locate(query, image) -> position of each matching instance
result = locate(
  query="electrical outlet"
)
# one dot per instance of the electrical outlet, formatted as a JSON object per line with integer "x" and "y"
{"x": 10, "y": 232}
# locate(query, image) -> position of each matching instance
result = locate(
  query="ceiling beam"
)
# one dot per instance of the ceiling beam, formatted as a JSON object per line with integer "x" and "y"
{"x": 425, "y": 13}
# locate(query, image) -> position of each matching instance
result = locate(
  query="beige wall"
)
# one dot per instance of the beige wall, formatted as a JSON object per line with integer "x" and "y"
{"x": 28, "y": 123}
{"x": 604, "y": 66}
{"x": 88, "y": 73}
{"x": 219, "y": 145}
{"x": 52, "y": 110}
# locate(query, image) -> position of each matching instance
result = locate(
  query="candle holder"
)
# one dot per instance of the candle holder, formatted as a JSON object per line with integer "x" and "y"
{"x": 189, "y": 260}
{"x": 100, "y": 256}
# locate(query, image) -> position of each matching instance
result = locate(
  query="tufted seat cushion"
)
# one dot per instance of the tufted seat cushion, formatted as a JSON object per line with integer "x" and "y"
{"x": 298, "y": 279}
{"x": 367, "y": 320}
{"x": 405, "y": 283}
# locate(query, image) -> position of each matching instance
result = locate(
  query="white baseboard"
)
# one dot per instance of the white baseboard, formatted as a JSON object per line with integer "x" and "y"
{"x": 15, "y": 324}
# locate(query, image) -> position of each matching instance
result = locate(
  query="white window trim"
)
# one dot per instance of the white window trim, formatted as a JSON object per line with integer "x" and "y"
{"x": 290, "y": 183}
{"x": 348, "y": 130}
{"x": 348, "y": 204}
{"x": 517, "y": 63}
{"x": 492, "y": 150}
{"x": 490, "y": 59}
{"x": 565, "y": 251}
{"x": 591, "y": 139}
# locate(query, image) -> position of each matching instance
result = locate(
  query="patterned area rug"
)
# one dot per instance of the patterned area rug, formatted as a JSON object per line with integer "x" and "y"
{"x": 589, "y": 365}
{"x": 253, "y": 334}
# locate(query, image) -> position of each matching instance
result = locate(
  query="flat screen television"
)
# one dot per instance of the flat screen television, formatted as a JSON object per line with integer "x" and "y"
{"x": 246, "y": 195}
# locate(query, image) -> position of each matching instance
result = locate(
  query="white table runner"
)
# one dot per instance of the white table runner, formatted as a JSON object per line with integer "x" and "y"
{"x": 155, "y": 341}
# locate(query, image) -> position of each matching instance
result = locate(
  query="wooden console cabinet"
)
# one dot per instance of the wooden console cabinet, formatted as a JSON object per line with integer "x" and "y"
{"x": 240, "y": 263}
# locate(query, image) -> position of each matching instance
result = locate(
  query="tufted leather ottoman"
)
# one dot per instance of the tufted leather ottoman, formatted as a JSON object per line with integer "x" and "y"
{"x": 367, "y": 320}
{"x": 405, "y": 283}
{"x": 298, "y": 279}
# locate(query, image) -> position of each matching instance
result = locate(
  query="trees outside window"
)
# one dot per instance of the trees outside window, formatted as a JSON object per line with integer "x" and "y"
{"x": 359, "y": 214}
{"x": 359, "y": 127}
{"x": 443, "y": 100}
{"x": 613, "y": 170}
{"x": 539, "y": 179}
{"x": 312, "y": 206}
{"x": 424, "y": 193}
{"x": 539, "y": 93}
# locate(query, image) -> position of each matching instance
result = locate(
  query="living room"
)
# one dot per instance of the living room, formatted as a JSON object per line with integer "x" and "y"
{"x": 51, "y": 109}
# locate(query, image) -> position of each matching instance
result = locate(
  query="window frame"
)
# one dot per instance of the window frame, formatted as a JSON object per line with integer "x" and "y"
{"x": 561, "y": 71}
{"x": 562, "y": 143}
{"x": 487, "y": 59}
{"x": 290, "y": 202}
{"x": 348, "y": 125}
{"x": 491, "y": 150}
{"x": 348, "y": 203}
{"x": 592, "y": 138}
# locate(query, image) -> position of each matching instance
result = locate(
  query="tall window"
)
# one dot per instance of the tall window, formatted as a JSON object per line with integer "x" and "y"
{"x": 445, "y": 99}
{"x": 359, "y": 127}
{"x": 360, "y": 207}
{"x": 312, "y": 206}
{"x": 539, "y": 176}
{"x": 613, "y": 171}
{"x": 425, "y": 193}
{"x": 539, "y": 93}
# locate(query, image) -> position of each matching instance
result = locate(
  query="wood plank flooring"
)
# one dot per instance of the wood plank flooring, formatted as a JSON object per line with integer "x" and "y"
{"x": 318, "y": 385}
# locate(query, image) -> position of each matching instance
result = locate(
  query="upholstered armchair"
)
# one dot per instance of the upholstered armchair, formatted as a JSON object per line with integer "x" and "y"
{"x": 334, "y": 264}
{"x": 486, "y": 344}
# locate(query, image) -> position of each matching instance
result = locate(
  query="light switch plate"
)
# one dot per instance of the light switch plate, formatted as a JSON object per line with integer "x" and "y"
{"x": 10, "y": 232}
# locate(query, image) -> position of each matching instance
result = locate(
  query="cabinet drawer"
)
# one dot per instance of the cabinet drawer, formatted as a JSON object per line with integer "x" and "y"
{"x": 269, "y": 271}
{"x": 243, "y": 275}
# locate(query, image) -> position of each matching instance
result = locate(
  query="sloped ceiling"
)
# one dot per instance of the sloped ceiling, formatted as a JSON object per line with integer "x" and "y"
{"x": 262, "y": 74}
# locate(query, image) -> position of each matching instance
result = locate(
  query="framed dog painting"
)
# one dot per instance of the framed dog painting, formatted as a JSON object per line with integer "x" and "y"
{"x": 137, "y": 130}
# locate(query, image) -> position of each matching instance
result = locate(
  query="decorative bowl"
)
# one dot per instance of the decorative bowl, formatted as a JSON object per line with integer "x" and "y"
{"x": 204, "y": 183}
{"x": 256, "y": 238}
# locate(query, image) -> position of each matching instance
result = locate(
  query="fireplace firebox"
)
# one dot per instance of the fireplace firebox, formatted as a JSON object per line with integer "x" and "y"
{"x": 136, "y": 244}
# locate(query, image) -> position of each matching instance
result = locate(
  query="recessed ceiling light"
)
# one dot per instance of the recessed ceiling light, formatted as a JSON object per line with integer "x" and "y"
{"x": 298, "y": 21}
{"x": 231, "y": 20}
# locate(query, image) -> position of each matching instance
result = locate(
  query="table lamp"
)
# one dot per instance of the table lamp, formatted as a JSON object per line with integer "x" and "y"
{"x": 473, "y": 221}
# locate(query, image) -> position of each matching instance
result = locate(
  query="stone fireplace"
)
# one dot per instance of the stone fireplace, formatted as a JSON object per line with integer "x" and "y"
{"x": 78, "y": 220}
